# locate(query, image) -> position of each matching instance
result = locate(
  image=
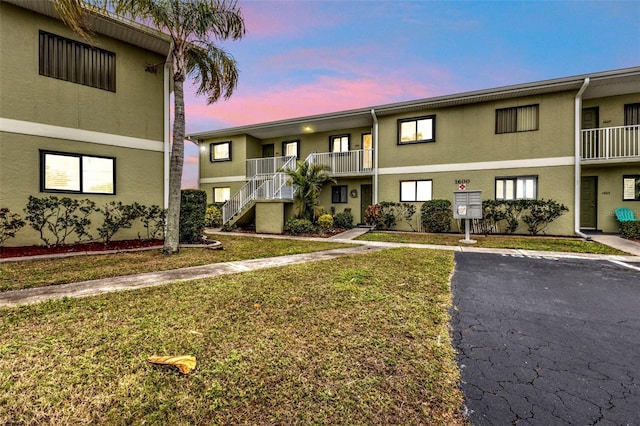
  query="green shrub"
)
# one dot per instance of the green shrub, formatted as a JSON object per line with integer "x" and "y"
{"x": 541, "y": 213}
{"x": 117, "y": 216}
{"x": 436, "y": 216}
{"x": 213, "y": 216}
{"x": 372, "y": 216}
{"x": 299, "y": 226}
{"x": 513, "y": 209}
{"x": 193, "y": 206}
{"x": 387, "y": 214}
{"x": 10, "y": 224}
{"x": 153, "y": 219}
{"x": 343, "y": 220}
{"x": 325, "y": 222}
{"x": 56, "y": 219}
{"x": 630, "y": 230}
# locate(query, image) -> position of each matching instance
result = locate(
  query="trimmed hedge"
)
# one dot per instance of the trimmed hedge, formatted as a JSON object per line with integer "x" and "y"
{"x": 193, "y": 206}
{"x": 436, "y": 215}
{"x": 299, "y": 226}
{"x": 630, "y": 230}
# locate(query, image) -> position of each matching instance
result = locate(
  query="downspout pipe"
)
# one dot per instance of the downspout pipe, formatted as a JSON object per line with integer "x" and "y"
{"x": 167, "y": 145}
{"x": 375, "y": 156}
{"x": 577, "y": 171}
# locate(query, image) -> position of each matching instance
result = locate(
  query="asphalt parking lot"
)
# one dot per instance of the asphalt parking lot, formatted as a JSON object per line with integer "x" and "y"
{"x": 546, "y": 341}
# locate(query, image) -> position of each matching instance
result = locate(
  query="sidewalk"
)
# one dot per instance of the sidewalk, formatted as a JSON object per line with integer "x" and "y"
{"x": 153, "y": 279}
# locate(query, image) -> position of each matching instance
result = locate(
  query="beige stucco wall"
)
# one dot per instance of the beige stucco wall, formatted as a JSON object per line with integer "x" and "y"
{"x": 139, "y": 178}
{"x": 611, "y": 109}
{"x": 352, "y": 203}
{"x": 270, "y": 217}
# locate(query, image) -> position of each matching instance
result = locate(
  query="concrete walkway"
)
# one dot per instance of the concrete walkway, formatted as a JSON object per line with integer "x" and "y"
{"x": 617, "y": 242}
{"x": 152, "y": 279}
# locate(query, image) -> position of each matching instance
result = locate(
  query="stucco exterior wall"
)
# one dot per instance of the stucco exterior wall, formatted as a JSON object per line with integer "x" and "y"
{"x": 611, "y": 109}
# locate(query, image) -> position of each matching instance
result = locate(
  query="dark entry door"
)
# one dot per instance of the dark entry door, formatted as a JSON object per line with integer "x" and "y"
{"x": 589, "y": 202}
{"x": 366, "y": 199}
{"x": 268, "y": 151}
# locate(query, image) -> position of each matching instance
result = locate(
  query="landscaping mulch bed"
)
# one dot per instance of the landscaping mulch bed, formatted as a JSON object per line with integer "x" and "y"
{"x": 7, "y": 252}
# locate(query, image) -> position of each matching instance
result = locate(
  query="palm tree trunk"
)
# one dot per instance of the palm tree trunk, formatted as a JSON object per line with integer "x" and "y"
{"x": 176, "y": 162}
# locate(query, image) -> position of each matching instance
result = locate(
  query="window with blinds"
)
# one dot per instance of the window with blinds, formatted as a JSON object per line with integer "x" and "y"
{"x": 76, "y": 62}
{"x": 517, "y": 119}
{"x": 631, "y": 114}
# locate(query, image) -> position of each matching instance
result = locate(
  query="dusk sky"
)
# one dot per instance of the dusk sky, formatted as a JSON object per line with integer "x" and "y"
{"x": 302, "y": 57}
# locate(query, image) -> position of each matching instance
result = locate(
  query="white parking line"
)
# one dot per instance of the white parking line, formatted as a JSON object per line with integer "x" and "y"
{"x": 626, "y": 265}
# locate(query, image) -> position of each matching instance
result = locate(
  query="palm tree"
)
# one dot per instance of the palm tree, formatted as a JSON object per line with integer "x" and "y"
{"x": 191, "y": 24}
{"x": 308, "y": 180}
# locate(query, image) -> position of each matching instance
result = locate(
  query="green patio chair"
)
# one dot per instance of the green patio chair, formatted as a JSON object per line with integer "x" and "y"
{"x": 625, "y": 214}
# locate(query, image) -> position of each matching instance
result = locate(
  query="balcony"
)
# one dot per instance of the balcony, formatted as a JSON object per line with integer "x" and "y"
{"x": 610, "y": 144}
{"x": 268, "y": 166}
{"x": 349, "y": 163}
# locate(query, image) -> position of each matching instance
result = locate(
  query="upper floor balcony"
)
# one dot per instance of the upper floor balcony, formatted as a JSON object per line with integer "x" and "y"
{"x": 348, "y": 163}
{"x": 610, "y": 144}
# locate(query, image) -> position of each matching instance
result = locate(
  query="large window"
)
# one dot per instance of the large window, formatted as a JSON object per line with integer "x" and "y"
{"x": 632, "y": 114}
{"x": 415, "y": 190}
{"x": 220, "y": 151}
{"x": 76, "y": 62}
{"x": 517, "y": 119}
{"x": 77, "y": 173}
{"x": 631, "y": 188}
{"x": 290, "y": 148}
{"x": 517, "y": 188}
{"x": 339, "y": 143}
{"x": 339, "y": 194}
{"x": 417, "y": 130}
{"x": 221, "y": 194}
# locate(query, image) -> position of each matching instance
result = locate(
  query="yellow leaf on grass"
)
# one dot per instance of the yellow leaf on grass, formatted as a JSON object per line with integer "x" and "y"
{"x": 185, "y": 363}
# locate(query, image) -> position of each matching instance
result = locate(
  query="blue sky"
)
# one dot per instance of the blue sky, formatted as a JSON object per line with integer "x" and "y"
{"x": 310, "y": 57}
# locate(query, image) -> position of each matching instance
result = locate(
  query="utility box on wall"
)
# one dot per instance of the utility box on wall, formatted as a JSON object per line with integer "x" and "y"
{"x": 467, "y": 205}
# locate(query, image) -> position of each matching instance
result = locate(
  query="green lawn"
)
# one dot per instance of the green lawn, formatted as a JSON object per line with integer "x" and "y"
{"x": 572, "y": 245}
{"x": 39, "y": 273}
{"x": 357, "y": 340}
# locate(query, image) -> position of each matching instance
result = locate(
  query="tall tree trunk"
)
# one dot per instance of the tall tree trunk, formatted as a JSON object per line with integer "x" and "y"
{"x": 176, "y": 162}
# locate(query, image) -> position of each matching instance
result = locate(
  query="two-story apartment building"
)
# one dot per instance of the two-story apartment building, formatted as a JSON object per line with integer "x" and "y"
{"x": 574, "y": 140}
{"x": 80, "y": 118}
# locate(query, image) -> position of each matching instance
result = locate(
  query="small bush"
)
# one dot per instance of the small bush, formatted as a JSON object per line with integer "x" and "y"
{"x": 325, "y": 222}
{"x": 541, "y": 213}
{"x": 372, "y": 216}
{"x": 117, "y": 216}
{"x": 193, "y": 207}
{"x": 630, "y": 230}
{"x": 436, "y": 215}
{"x": 56, "y": 219}
{"x": 343, "y": 220}
{"x": 213, "y": 216}
{"x": 10, "y": 224}
{"x": 298, "y": 226}
{"x": 153, "y": 218}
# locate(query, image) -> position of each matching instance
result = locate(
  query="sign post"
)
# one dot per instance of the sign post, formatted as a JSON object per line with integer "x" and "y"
{"x": 467, "y": 205}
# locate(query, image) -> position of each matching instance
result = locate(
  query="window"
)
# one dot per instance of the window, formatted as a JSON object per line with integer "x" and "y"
{"x": 417, "y": 130}
{"x": 220, "y": 151}
{"x": 290, "y": 148}
{"x": 367, "y": 156}
{"x": 83, "y": 174}
{"x": 631, "y": 188}
{"x": 339, "y": 143}
{"x": 220, "y": 195}
{"x": 517, "y": 119}
{"x": 631, "y": 114}
{"x": 415, "y": 190}
{"x": 76, "y": 62}
{"x": 339, "y": 194}
{"x": 516, "y": 188}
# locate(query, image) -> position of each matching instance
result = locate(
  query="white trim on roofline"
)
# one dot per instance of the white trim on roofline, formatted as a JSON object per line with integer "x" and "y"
{"x": 485, "y": 165}
{"x": 48, "y": 131}
{"x": 225, "y": 179}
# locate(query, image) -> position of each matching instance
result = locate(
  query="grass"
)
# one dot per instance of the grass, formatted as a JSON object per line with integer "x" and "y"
{"x": 40, "y": 273}
{"x": 356, "y": 340}
{"x": 560, "y": 244}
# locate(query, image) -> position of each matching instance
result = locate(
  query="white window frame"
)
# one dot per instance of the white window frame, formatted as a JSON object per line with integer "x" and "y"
{"x": 516, "y": 188}
{"x": 287, "y": 144}
{"x": 630, "y": 185}
{"x": 416, "y": 190}
{"x": 81, "y": 177}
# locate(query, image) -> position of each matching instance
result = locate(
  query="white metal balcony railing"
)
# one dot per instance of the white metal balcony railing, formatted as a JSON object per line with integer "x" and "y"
{"x": 260, "y": 187}
{"x": 269, "y": 166}
{"x": 359, "y": 161}
{"x": 610, "y": 143}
